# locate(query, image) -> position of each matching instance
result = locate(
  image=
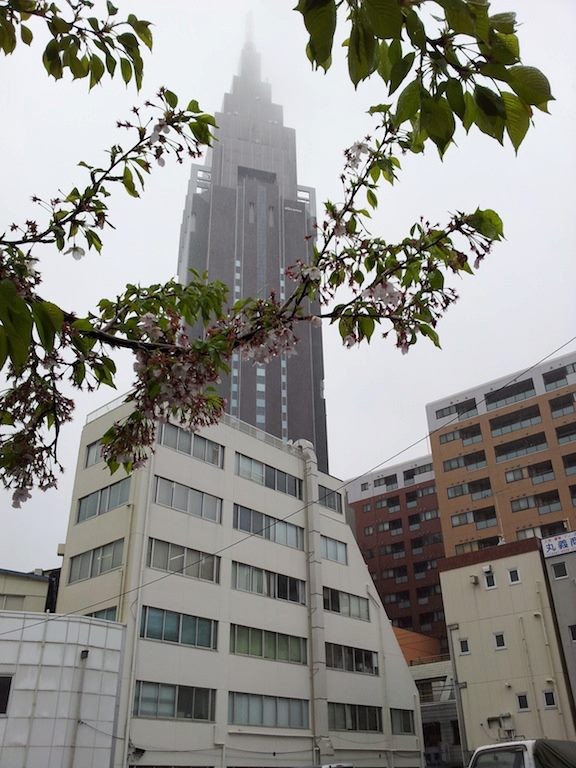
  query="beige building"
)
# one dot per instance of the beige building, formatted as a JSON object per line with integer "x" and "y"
{"x": 255, "y": 636}
{"x": 508, "y": 664}
{"x": 504, "y": 455}
{"x": 23, "y": 591}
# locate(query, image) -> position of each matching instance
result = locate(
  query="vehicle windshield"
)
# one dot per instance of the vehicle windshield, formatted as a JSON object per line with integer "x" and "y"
{"x": 500, "y": 758}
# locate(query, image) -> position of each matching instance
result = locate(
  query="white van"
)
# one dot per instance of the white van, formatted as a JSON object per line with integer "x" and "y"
{"x": 534, "y": 753}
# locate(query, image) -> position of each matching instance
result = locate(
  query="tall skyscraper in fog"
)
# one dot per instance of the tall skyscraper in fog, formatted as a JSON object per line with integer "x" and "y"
{"x": 246, "y": 219}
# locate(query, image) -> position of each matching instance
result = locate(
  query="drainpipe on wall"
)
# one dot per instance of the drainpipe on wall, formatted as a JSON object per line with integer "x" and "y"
{"x": 458, "y": 694}
{"x": 319, "y": 696}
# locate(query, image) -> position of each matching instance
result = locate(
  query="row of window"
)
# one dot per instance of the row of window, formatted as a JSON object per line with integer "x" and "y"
{"x": 391, "y": 481}
{"x": 211, "y": 452}
{"x": 161, "y": 700}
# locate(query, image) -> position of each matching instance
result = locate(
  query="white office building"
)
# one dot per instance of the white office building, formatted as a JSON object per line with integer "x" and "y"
{"x": 255, "y": 636}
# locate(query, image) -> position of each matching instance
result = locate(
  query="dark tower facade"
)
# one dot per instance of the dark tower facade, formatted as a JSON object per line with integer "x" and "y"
{"x": 246, "y": 219}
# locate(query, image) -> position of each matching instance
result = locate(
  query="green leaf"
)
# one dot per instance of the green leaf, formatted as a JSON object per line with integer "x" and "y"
{"x": 438, "y": 121}
{"x": 384, "y": 63}
{"x": 51, "y": 60}
{"x": 142, "y": 29}
{"x": 366, "y": 327}
{"x": 16, "y": 318}
{"x": 399, "y": 71}
{"x": 455, "y": 96}
{"x": 530, "y": 85}
{"x": 384, "y": 17}
{"x": 416, "y": 30}
{"x": 504, "y": 22}
{"x": 171, "y": 99}
{"x": 505, "y": 49}
{"x": 96, "y": 70}
{"x": 489, "y": 102}
{"x": 48, "y": 319}
{"x": 408, "y": 103}
{"x": 126, "y": 70}
{"x": 320, "y": 22}
{"x": 518, "y": 117}
{"x": 371, "y": 197}
{"x": 458, "y": 16}
{"x": 112, "y": 10}
{"x": 362, "y": 49}
{"x": 487, "y": 223}
{"x": 26, "y": 34}
{"x": 427, "y": 330}
{"x": 128, "y": 181}
{"x": 469, "y": 111}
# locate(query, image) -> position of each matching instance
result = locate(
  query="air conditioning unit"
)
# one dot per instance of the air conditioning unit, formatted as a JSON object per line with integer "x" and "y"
{"x": 474, "y": 579}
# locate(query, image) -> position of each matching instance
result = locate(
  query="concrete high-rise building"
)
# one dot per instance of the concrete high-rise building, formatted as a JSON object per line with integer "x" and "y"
{"x": 246, "y": 219}
{"x": 254, "y": 634}
{"x": 504, "y": 456}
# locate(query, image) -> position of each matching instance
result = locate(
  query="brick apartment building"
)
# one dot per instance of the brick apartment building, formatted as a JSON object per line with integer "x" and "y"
{"x": 504, "y": 456}
{"x": 399, "y": 532}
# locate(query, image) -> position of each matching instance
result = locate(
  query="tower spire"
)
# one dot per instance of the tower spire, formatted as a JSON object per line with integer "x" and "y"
{"x": 250, "y": 58}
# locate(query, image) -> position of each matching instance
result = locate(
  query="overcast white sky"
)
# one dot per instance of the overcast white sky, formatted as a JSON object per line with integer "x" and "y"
{"x": 517, "y": 309}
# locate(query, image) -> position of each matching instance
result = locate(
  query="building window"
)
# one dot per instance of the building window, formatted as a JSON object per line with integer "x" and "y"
{"x": 499, "y": 640}
{"x": 330, "y": 499}
{"x": 263, "y": 474}
{"x": 108, "y": 614}
{"x": 555, "y": 379}
{"x": 364, "y": 486}
{"x": 346, "y": 604}
{"x": 103, "y": 500}
{"x": 351, "y": 659}
{"x": 449, "y": 437}
{"x": 332, "y": 549}
{"x": 566, "y": 434}
{"x": 522, "y": 699}
{"x": 354, "y": 717}
{"x": 191, "y": 444}
{"x": 402, "y": 720}
{"x": 521, "y": 447}
{"x": 270, "y": 528}
{"x": 271, "y": 711}
{"x": 410, "y": 474}
{"x": 514, "y": 575}
{"x": 489, "y": 580}
{"x": 513, "y": 393}
{"x": 569, "y": 462}
{"x": 250, "y": 641}
{"x": 181, "y": 628}
{"x": 559, "y": 570}
{"x": 185, "y": 499}
{"x": 464, "y": 646}
{"x": 462, "y": 410}
{"x": 572, "y": 630}
{"x": 562, "y": 406}
{"x": 5, "y": 683}
{"x": 248, "y": 578}
{"x": 512, "y": 422}
{"x": 368, "y": 530}
{"x": 251, "y": 213}
{"x": 160, "y": 700}
{"x": 93, "y": 454}
{"x": 90, "y": 564}
{"x": 11, "y": 602}
{"x": 174, "y": 558}
{"x": 514, "y": 475}
{"x": 366, "y": 507}
{"x": 549, "y": 699}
